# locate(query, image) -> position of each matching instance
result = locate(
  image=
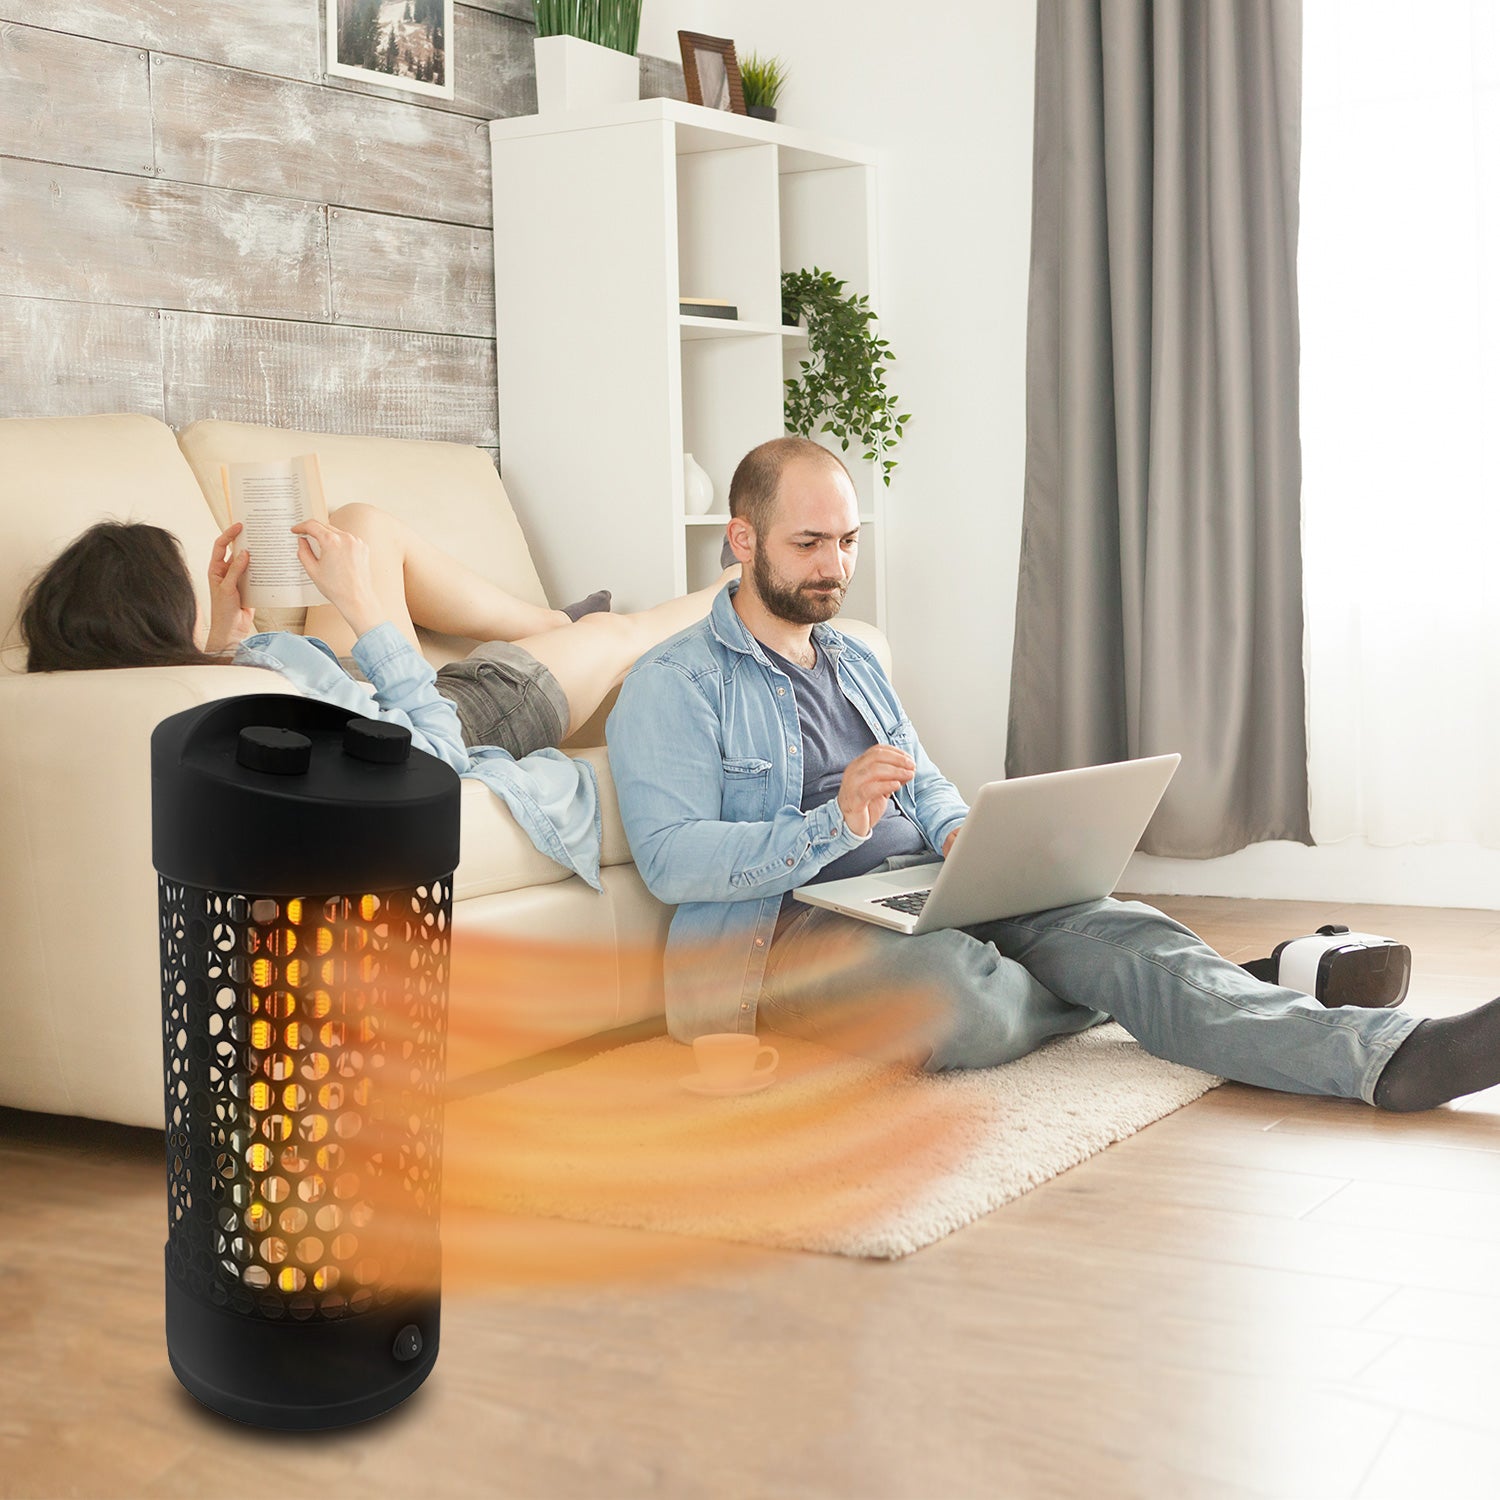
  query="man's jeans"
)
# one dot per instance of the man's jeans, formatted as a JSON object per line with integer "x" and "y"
{"x": 990, "y": 993}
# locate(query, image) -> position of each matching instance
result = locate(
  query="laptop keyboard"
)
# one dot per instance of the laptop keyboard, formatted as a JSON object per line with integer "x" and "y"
{"x": 910, "y": 902}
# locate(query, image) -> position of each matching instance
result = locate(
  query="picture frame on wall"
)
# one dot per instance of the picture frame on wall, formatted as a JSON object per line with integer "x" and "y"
{"x": 711, "y": 72}
{"x": 399, "y": 44}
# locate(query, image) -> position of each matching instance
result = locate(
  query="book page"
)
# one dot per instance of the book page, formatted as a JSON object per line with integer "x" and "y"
{"x": 271, "y": 498}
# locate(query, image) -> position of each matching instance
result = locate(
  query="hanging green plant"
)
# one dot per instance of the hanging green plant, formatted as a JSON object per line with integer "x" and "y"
{"x": 841, "y": 390}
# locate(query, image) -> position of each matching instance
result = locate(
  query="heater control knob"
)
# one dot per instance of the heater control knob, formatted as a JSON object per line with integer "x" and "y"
{"x": 263, "y": 747}
{"x": 377, "y": 740}
{"x": 408, "y": 1343}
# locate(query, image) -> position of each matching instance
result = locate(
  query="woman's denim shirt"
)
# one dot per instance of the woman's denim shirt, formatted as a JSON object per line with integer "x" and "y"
{"x": 704, "y": 748}
{"x": 552, "y": 796}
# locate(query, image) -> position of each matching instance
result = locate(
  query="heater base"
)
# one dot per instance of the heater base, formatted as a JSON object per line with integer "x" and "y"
{"x": 300, "y": 1375}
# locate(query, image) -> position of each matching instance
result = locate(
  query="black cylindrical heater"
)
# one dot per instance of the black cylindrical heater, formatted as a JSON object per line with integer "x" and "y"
{"x": 304, "y": 858}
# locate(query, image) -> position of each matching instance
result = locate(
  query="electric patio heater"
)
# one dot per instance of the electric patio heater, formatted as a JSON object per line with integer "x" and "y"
{"x": 304, "y": 857}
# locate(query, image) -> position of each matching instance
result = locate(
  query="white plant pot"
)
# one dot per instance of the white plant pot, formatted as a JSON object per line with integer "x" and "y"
{"x": 697, "y": 487}
{"x": 574, "y": 74}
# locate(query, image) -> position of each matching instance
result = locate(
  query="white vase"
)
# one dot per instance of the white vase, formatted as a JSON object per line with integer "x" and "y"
{"x": 574, "y": 74}
{"x": 697, "y": 487}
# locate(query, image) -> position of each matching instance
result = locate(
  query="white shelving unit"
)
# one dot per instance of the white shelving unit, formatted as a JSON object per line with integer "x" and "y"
{"x": 603, "y": 220}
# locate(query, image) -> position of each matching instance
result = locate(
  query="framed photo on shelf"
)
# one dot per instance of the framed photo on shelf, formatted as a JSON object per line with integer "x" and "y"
{"x": 711, "y": 72}
{"x": 401, "y": 44}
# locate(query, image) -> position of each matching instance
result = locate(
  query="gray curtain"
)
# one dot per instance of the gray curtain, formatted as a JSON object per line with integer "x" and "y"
{"x": 1160, "y": 602}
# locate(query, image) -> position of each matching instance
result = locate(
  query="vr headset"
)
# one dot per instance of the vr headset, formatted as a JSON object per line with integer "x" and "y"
{"x": 1339, "y": 967}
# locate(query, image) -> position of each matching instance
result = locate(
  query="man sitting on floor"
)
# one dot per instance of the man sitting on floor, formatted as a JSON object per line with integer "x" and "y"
{"x": 761, "y": 750}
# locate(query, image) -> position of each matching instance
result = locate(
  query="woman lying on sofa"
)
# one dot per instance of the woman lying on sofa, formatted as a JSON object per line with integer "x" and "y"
{"x": 120, "y": 595}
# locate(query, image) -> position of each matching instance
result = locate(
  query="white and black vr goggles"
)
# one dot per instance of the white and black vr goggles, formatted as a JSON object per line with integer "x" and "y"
{"x": 1339, "y": 967}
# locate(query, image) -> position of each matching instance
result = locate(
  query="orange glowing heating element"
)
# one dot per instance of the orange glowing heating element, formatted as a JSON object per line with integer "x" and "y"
{"x": 310, "y": 1175}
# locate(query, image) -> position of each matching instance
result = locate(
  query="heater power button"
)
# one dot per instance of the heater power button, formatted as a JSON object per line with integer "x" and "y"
{"x": 408, "y": 1343}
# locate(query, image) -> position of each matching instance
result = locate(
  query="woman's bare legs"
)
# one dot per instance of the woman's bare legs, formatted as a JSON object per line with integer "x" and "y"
{"x": 592, "y": 654}
{"x": 417, "y": 581}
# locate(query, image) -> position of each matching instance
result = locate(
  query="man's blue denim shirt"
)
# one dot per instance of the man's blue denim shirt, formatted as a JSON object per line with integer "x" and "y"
{"x": 704, "y": 748}
{"x": 552, "y": 796}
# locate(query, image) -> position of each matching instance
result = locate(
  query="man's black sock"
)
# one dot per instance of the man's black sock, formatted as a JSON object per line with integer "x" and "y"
{"x": 595, "y": 604}
{"x": 1442, "y": 1059}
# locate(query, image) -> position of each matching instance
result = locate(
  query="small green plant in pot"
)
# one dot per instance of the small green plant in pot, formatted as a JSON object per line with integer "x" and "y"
{"x": 762, "y": 79}
{"x": 841, "y": 389}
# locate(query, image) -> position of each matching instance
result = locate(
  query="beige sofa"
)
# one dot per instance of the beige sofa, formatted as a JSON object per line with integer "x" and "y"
{"x": 79, "y": 990}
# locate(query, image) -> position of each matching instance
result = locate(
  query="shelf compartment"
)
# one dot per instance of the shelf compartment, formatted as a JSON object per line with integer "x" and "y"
{"x": 731, "y": 402}
{"x": 728, "y": 243}
{"x": 828, "y": 221}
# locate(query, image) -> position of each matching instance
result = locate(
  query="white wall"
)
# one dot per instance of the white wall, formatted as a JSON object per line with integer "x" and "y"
{"x": 946, "y": 93}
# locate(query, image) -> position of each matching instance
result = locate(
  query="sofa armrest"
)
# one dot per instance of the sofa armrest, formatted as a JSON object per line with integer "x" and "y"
{"x": 80, "y": 1005}
{"x": 870, "y": 635}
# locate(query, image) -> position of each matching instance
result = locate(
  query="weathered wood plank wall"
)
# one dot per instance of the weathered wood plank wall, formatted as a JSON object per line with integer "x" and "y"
{"x": 196, "y": 222}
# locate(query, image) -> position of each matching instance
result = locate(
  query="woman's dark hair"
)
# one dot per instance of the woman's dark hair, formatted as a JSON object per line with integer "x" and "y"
{"x": 119, "y": 596}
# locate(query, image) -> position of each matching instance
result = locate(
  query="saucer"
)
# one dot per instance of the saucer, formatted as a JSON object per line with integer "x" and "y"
{"x": 696, "y": 1083}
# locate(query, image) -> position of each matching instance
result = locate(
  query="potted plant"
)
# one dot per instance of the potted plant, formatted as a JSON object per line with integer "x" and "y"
{"x": 762, "y": 79}
{"x": 842, "y": 384}
{"x": 585, "y": 53}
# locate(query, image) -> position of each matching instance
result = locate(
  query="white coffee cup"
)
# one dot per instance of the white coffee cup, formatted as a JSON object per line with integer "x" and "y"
{"x": 726, "y": 1058}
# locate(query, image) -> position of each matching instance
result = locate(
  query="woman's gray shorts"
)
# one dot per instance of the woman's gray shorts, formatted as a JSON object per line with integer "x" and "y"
{"x": 506, "y": 697}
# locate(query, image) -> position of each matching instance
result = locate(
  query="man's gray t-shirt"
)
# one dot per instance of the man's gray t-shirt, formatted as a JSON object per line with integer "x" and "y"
{"x": 833, "y": 734}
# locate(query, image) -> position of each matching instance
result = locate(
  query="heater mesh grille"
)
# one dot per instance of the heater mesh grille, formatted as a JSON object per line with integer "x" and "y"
{"x": 304, "y": 1042}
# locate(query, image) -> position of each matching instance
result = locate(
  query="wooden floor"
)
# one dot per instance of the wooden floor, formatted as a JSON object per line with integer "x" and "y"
{"x": 1260, "y": 1295}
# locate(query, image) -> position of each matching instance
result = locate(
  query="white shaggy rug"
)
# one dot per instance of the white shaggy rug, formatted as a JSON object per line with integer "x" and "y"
{"x": 839, "y": 1155}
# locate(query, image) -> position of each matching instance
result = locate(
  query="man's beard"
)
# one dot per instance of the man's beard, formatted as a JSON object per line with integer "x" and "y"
{"x": 798, "y": 604}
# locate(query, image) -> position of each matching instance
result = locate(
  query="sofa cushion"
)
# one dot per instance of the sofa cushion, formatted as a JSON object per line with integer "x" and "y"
{"x": 449, "y": 492}
{"x": 58, "y": 475}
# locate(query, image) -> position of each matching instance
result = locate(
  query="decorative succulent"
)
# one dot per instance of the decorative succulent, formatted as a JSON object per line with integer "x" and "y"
{"x": 762, "y": 79}
{"x": 842, "y": 385}
{"x": 609, "y": 23}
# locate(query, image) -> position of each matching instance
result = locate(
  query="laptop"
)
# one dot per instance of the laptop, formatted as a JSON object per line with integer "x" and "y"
{"x": 1030, "y": 843}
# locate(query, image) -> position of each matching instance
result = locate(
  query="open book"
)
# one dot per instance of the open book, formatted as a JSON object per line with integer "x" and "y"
{"x": 271, "y": 498}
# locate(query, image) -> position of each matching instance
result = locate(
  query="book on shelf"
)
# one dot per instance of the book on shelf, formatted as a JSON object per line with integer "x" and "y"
{"x": 270, "y": 498}
{"x": 706, "y": 307}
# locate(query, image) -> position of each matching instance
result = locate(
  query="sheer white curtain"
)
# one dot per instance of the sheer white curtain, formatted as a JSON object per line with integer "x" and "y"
{"x": 1399, "y": 275}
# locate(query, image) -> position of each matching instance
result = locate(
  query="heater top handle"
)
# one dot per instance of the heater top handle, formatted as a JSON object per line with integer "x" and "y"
{"x": 253, "y": 792}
